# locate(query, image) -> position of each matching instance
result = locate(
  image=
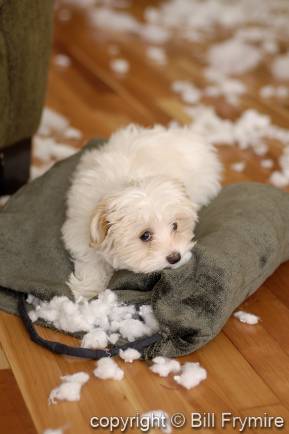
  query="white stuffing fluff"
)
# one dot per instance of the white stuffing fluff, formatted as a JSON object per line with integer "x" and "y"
{"x": 267, "y": 163}
{"x": 267, "y": 91}
{"x": 194, "y": 20}
{"x": 53, "y": 431}
{"x": 36, "y": 171}
{"x": 225, "y": 57}
{"x": 206, "y": 14}
{"x": 46, "y": 148}
{"x": 146, "y": 313}
{"x": 282, "y": 92}
{"x": 52, "y": 121}
{"x": 62, "y": 60}
{"x": 270, "y": 46}
{"x": 274, "y": 91}
{"x": 249, "y": 131}
{"x": 191, "y": 375}
{"x": 129, "y": 355}
{"x": 208, "y": 124}
{"x": 280, "y": 67}
{"x": 96, "y": 338}
{"x": 261, "y": 148}
{"x": 4, "y": 200}
{"x": 281, "y": 178}
{"x": 230, "y": 88}
{"x": 278, "y": 179}
{"x": 132, "y": 329}
{"x": 247, "y": 318}
{"x": 120, "y": 66}
{"x": 284, "y": 162}
{"x": 154, "y": 34}
{"x": 163, "y": 366}
{"x": 113, "y": 338}
{"x": 238, "y": 167}
{"x": 157, "y": 54}
{"x": 72, "y": 133}
{"x": 42, "y": 148}
{"x": 188, "y": 92}
{"x": 114, "y": 20}
{"x": 151, "y": 14}
{"x": 107, "y": 369}
{"x": 252, "y": 34}
{"x": 191, "y": 96}
{"x": 123, "y": 22}
{"x": 69, "y": 389}
{"x": 158, "y": 419}
{"x": 59, "y": 151}
{"x": 104, "y": 319}
{"x": 180, "y": 86}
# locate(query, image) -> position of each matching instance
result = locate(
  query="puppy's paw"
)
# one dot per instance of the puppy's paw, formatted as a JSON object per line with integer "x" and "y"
{"x": 83, "y": 287}
{"x": 81, "y": 295}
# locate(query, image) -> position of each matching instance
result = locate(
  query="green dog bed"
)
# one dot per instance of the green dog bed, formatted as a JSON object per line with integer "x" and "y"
{"x": 242, "y": 237}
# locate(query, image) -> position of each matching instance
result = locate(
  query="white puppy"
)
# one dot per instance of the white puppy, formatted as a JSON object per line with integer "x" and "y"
{"x": 133, "y": 203}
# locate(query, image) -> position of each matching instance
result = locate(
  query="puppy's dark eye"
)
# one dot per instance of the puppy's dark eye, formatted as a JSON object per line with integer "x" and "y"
{"x": 175, "y": 226}
{"x": 146, "y": 236}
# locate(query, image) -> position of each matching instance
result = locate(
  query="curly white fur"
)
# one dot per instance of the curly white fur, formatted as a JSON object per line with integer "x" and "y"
{"x": 152, "y": 180}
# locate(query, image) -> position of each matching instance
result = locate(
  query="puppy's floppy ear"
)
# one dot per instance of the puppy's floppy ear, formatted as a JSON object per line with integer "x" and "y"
{"x": 99, "y": 224}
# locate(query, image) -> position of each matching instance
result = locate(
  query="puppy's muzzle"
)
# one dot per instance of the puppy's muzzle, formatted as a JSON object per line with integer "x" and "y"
{"x": 173, "y": 257}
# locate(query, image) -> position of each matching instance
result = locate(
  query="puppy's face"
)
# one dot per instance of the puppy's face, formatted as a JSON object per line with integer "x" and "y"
{"x": 145, "y": 227}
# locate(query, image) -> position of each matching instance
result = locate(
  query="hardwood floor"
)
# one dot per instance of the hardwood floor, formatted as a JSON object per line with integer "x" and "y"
{"x": 15, "y": 417}
{"x": 247, "y": 365}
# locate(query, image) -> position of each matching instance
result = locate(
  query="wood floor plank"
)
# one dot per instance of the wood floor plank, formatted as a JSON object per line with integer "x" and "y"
{"x": 93, "y": 92}
{"x": 264, "y": 354}
{"x": 99, "y": 398}
{"x": 94, "y": 123}
{"x": 272, "y": 410}
{"x": 273, "y": 313}
{"x": 4, "y": 364}
{"x": 278, "y": 284}
{"x": 235, "y": 377}
{"x": 239, "y": 388}
{"x": 14, "y": 417}
{"x": 247, "y": 366}
{"x": 85, "y": 51}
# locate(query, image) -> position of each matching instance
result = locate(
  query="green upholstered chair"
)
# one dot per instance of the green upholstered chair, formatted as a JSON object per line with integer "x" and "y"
{"x": 25, "y": 40}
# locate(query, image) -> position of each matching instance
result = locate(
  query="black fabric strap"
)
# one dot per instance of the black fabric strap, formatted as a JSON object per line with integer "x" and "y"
{"x": 86, "y": 353}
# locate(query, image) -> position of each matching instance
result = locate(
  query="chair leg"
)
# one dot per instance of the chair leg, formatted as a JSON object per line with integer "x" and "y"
{"x": 15, "y": 166}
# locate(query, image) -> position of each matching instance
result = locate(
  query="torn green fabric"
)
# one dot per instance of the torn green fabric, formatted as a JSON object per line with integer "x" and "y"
{"x": 242, "y": 237}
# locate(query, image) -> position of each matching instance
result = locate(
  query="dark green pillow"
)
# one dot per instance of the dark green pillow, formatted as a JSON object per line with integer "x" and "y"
{"x": 242, "y": 237}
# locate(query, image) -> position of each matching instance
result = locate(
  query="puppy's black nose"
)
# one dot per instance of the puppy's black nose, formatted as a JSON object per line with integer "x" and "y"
{"x": 173, "y": 257}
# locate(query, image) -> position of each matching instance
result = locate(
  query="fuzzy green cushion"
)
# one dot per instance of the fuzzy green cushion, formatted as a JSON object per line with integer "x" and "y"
{"x": 242, "y": 237}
